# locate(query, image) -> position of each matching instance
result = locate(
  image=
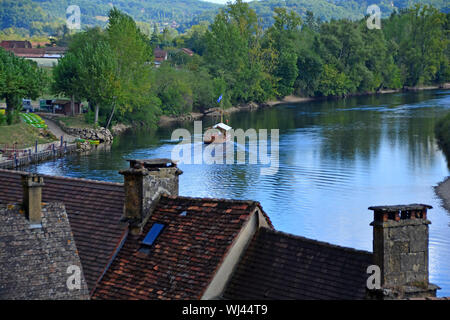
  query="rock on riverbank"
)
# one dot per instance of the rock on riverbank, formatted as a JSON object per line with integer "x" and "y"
{"x": 102, "y": 134}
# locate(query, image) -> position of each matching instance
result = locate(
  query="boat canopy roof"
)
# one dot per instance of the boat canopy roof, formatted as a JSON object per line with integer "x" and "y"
{"x": 222, "y": 126}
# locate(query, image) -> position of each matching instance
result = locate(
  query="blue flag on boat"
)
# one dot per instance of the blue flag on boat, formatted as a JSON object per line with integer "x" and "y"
{"x": 220, "y": 98}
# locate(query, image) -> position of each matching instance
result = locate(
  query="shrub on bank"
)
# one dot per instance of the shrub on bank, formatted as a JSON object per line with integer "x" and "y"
{"x": 443, "y": 135}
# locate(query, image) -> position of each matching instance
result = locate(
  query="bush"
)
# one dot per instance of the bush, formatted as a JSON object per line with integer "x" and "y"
{"x": 443, "y": 135}
{"x": 2, "y": 119}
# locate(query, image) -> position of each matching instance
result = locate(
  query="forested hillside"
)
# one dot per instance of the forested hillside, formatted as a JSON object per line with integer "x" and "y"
{"x": 28, "y": 18}
{"x": 337, "y": 9}
{"x": 45, "y": 17}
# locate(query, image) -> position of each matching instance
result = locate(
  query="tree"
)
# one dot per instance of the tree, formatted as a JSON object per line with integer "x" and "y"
{"x": 423, "y": 50}
{"x": 233, "y": 52}
{"x": 134, "y": 56}
{"x": 111, "y": 69}
{"x": 66, "y": 79}
{"x": 281, "y": 37}
{"x": 155, "y": 41}
{"x": 19, "y": 79}
{"x": 333, "y": 82}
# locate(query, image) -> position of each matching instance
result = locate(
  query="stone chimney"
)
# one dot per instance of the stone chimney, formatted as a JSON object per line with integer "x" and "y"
{"x": 144, "y": 182}
{"x": 400, "y": 249}
{"x": 32, "y": 197}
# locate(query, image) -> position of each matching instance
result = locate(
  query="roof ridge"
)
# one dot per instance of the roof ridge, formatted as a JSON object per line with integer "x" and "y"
{"x": 314, "y": 241}
{"x": 224, "y": 200}
{"x": 18, "y": 172}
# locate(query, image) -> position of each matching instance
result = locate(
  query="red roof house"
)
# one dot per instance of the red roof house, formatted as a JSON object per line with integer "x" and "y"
{"x": 160, "y": 56}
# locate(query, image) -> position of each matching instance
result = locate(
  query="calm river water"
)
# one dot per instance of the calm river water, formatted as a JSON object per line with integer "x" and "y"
{"x": 337, "y": 158}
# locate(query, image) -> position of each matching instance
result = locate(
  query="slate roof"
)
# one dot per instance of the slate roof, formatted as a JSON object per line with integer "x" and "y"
{"x": 281, "y": 266}
{"x": 184, "y": 258}
{"x": 34, "y": 261}
{"x": 94, "y": 209}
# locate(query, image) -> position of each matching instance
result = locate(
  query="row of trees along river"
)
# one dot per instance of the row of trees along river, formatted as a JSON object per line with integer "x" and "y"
{"x": 113, "y": 69}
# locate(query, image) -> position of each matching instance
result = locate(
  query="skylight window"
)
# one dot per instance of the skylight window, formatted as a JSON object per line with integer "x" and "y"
{"x": 153, "y": 234}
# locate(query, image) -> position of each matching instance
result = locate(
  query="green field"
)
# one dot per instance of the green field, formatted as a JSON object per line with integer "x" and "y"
{"x": 75, "y": 122}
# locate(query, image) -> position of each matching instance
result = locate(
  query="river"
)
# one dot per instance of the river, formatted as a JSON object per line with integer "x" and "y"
{"x": 336, "y": 158}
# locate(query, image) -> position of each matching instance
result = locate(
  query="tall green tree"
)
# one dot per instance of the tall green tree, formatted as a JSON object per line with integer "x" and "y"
{"x": 134, "y": 56}
{"x": 282, "y": 38}
{"x": 418, "y": 39}
{"x": 233, "y": 52}
{"x": 20, "y": 78}
{"x": 66, "y": 79}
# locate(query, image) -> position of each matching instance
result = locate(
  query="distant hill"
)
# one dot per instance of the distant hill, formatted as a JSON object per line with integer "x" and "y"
{"x": 41, "y": 16}
{"x": 337, "y": 9}
{"x": 328, "y": 9}
{"x": 44, "y": 17}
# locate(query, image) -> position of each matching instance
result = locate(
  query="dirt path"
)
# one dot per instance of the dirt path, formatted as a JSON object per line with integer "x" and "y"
{"x": 443, "y": 191}
{"x": 58, "y": 132}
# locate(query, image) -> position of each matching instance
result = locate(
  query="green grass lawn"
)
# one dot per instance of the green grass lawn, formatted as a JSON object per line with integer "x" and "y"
{"x": 77, "y": 121}
{"x": 24, "y": 135}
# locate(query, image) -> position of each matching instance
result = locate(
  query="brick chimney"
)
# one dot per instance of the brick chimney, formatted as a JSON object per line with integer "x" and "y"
{"x": 32, "y": 197}
{"x": 400, "y": 249}
{"x": 144, "y": 182}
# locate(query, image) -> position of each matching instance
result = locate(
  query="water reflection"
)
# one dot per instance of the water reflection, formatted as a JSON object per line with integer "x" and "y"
{"x": 337, "y": 157}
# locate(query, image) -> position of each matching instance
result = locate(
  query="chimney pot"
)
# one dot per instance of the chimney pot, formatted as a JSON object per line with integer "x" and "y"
{"x": 32, "y": 197}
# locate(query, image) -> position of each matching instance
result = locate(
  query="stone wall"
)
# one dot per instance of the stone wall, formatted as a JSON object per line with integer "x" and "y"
{"x": 143, "y": 188}
{"x": 401, "y": 251}
{"x": 102, "y": 134}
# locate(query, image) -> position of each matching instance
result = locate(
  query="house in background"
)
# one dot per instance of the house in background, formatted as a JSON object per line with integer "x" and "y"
{"x": 187, "y": 51}
{"x": 61, "y": 106}
{"x": 141, "y": 240}
{"x": 14, "y": 44}
{"x": 160, "y": 56}
{"x": 44, "y": 56}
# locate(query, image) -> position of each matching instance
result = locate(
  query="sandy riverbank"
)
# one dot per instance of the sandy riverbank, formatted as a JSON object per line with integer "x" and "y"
{"x": 290, "y": 99}
{"x": 443, "y": 191}
{"x": 215, "y": 112}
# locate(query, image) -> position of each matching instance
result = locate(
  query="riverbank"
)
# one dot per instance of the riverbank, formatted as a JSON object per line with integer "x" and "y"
{"x": 443, "y": 191}
{"x": 22, "y": 135}
{"x": 166, "y": 121}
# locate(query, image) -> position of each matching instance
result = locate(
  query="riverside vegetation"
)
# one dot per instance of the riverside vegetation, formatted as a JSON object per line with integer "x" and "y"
{"x": 235, "y": 57}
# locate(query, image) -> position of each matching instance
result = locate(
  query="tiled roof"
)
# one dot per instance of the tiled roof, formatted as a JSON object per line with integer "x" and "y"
{"x": 28, "y": 52}
{"x": 34, "y": 261}
{"x": 184, "y": 258}
{"x": 188, "y": 51}
{"x": 281, "y": 266}
{"x": 94, "y": 209}
{"x": 15, "y": 44}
